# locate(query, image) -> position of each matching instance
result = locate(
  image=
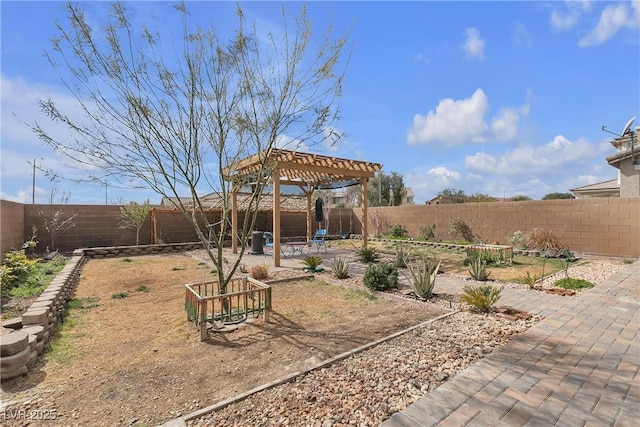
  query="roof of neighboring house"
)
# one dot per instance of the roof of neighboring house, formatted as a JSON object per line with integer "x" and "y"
{"x": 213, "y": 201}
{"x": 605, "y": 185}
{"x": 615, "y": 159}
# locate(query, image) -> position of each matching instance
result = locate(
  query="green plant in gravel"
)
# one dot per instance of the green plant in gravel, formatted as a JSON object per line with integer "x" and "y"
{"x": 143, "y": 288}
{"x": 575, "y": 284}
{"x": 481, "y": 297}
{"x": 529, "y": 280}
{"x": 381, "y": 277}
{"x": 340, "y": 268}
{"x": 478, "y": 270}
{"x": 423, "y": 275}
{"x": 312, "y": 263}
{"x": 400, "y": 257}
{"x": 120, "y": 295}
{"x": 368, "y": 255}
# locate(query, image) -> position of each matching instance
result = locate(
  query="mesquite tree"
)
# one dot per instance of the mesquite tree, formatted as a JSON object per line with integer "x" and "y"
{"x": 172, "y": 112}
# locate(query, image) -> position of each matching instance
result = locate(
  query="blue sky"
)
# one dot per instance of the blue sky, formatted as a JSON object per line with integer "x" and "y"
{"x": 500, "y": 98}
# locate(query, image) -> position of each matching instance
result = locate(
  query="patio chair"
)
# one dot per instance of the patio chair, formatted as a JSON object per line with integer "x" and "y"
{"x": 318, "y": 240}
{"x": 267, "y": 236}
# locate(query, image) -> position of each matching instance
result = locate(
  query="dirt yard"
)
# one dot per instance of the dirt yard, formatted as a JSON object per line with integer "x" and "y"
{"x": 126, "y": 355}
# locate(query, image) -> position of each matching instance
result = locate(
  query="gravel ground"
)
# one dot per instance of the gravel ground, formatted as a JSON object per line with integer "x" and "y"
{"x": 368, "y": 387}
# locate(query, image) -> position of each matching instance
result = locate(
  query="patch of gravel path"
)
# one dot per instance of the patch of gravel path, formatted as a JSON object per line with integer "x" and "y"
{"x": 368, "y": 387}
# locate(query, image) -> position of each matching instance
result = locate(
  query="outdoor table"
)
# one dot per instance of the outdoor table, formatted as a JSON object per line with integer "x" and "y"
{"x": 296, "y": 247}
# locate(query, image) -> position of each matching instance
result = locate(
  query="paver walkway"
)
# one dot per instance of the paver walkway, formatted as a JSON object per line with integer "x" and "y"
{"x": 580, "y": 366}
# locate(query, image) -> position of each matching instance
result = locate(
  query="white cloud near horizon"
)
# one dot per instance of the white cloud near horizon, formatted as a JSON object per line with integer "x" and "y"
{"x": 473, "y": 46}
{"x": 426, "y": 185}
{"x": 457, "y": 122}
{"x": 552, "y": 158}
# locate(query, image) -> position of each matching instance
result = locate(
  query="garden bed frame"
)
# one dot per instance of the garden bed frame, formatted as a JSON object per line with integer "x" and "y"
{"x": 245, "y": 296}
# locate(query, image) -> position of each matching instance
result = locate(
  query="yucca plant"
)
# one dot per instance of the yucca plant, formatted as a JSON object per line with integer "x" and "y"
{"x": 423, "y": 276}
{"x": 481, "y": 297}
{"x": 312, "y": 263}
{"x": 478, "y": 269}
{"x": 368, "y": 255}
{"x": 340, "y": 268}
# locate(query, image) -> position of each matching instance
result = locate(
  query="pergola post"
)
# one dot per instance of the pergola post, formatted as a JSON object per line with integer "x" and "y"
{"x": 275, "y": 178}
{"x": 234, "y": 220}
{"x": 365, "y": 218}
{"x": 309, "y": 223}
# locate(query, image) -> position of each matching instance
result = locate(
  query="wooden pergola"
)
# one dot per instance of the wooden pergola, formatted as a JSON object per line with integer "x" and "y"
{"x": 306, "y": 170}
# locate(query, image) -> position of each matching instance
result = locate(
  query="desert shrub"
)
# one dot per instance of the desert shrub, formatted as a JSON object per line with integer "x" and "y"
{"x": 15, "y": 270}
{"x": 368, "y": 255}
{"x": 460, "y": 230}
{"x": 381, "y": 277}
{"x": 312, "y": 263}
{"x": 260, "y": 272}
{"x": 544, "y": 241}
{"x": 428, "y": 232}
{"x": 340, "y": 268}
{"x": 568, "y": 255}
{"x": 423, "y": 276}
{"x": 398, "y": 231}
{"x": 517, "y": 240}
{"x": 478, "y": 270}
{"x": 569, "y": 283}
{"x": 481, "y": 297}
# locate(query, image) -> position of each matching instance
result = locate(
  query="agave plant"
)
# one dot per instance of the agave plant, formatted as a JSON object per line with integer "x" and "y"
{"x": 423, "y": 276}
{"x": 478, "y": 269}
{"x": 340, "y": 268}
{"x": 481, "y": 297}
{"x": 368, "y": 255}
{"x": 311, "y": 263}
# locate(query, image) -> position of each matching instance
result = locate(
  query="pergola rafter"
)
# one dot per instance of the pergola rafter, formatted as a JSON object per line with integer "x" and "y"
{"x": 308, "y": 171}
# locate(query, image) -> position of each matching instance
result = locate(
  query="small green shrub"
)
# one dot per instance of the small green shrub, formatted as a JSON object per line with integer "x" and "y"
{"x": 311, "y": 263}
{"x": 423, "y": 276}
{"x": 15, "y": 270}
{"x": 381, "y": 277}
{"x": 127, "y": 260}
{"x": 460, "y": 230}
{"x": 481, "y": 297}
{"x": 569, "y": 283}
{"x": 428, "y": 232}
{"x": 529, "y": 280}
{"x": 398, "y": 231}
{"x": 120, "y": 295}
{"x": 478, "y": 270}
{"x": 568, "y": 255}
{"x": 340, "y": 268}
{"x": 627, "y": 261}
{"x": 368, "y": 255}
{"x": 143, "y": 288}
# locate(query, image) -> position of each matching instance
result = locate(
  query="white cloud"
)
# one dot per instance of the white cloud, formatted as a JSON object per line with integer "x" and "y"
{"x": 613, "y": 18}
{"x": 473, "y": 45}
{"x": 426, "y": 185}
{"x": 457, "y": 122}
{"x": 552, "y": 158}
{"x": 568, "y": 18}
{"x": 521, "y": 35}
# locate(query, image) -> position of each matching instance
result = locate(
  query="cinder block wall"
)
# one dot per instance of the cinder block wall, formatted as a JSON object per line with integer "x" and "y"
{"x": 607, "y": 226}
{"x": 601, "y": 226}
{"x": 11, "y": 226}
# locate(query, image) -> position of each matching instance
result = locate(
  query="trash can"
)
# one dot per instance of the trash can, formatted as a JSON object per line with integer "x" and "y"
{"x": 256, "y": 243}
